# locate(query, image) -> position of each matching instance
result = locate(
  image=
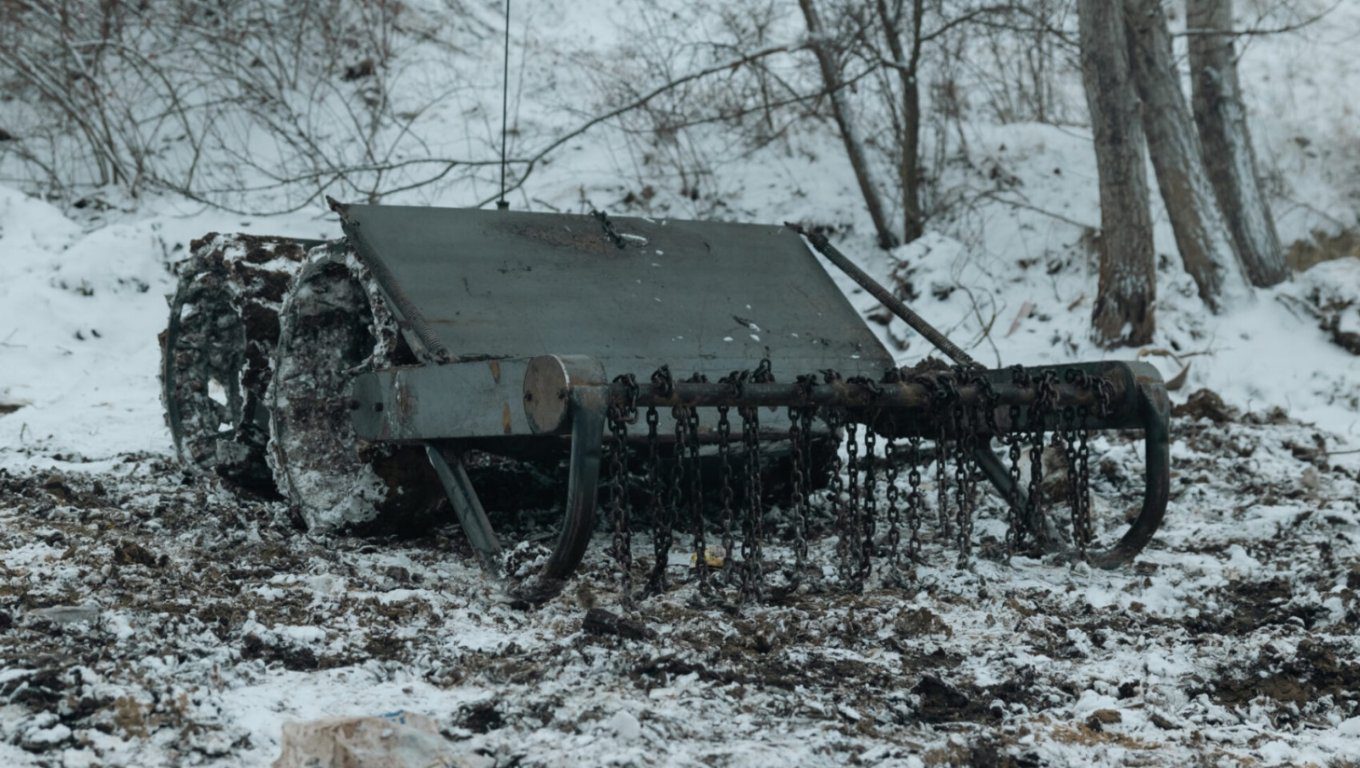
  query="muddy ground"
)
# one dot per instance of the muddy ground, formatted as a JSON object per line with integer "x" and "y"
{"x": 148, "y": 618}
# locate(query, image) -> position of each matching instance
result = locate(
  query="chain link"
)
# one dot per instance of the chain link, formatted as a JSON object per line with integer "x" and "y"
{"x": 867, "y": 521}
{"x": 892, "y": 496}
{"x": 725, "y": 493}
{"x": 914, "y": 500}
{"x": 696, "y": 492}
{"x": 798, "y": 499}
{"x": 662, "y": 520}
{"x": 751, "y": 573}
{"x": 620, "y": 416}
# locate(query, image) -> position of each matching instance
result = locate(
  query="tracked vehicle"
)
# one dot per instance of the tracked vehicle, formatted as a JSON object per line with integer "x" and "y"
{"x": 730, "y": 392}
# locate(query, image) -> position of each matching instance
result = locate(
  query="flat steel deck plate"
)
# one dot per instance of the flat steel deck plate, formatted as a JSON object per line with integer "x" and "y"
{"x": 699, "y": 296}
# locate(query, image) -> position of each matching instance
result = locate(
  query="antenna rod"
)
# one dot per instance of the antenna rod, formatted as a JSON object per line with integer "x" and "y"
{"x": 505, "y": 102}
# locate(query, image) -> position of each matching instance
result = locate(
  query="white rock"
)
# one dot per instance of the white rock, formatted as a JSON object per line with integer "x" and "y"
{"x": 625, "y": 726}
{"x": 398, "y": 740}
{"x": 66, "y": 614}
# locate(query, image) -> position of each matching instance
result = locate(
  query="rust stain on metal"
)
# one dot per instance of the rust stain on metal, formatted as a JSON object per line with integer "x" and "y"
{"x": 588, "y": 238}
{"x": 495, "y": 370}
{"x": 505, "y": 417}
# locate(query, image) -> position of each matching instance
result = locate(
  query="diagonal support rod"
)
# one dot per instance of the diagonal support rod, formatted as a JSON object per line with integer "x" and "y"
{"x": 885, "y": 297}
{"x": 458, "y": 487}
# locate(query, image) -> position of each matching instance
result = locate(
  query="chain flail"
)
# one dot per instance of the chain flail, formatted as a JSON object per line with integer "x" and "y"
{"x": 798, "y": 497}
{"x": 914, "y": 499}
{"x": 695, "y": 491}
{"x": 751, "y": 573}
{"x": 1079, "y": 456}
{"x": 1014, "y": 441}
{"x": 868, "y": 523}
{"x": 1038, "y": 414}
{"x": 942, "y": 399}
{"x": 876, "y": 487}
{"x": 725, "y": 493}
{"x": 892, "y": 495}
{"x": 620, "y": 415}
{"x": 968, "y": 422}
{"x": 680, "y": 466}
{"x": 963, "y": 518}
{"x": 662, "y": 519}
{"x": 865, "y": 515}
{"x": 847, "y": 546}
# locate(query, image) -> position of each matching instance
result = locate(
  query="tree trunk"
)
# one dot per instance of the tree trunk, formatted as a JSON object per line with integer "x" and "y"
{"x": 1123, "y": 310}
{"x": 1222, "y": 121}
{"x": 840, "y": 110}
{"x": 1201, "y": 232}
{"x": 909, "y": 138}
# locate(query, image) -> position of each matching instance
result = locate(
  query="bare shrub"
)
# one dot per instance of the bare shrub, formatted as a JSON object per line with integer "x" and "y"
{"x": 243, "y": 105}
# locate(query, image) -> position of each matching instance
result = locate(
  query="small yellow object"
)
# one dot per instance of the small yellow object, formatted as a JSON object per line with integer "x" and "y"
{"x": 713, "y": 557}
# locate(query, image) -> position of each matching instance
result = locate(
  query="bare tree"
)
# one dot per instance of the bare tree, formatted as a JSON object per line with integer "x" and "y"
{"x": 906, "y": 61}
{"x": 1222, "y": 120}
{"x": 1201, "y": 233}
{"x": 845, "y": 121}
{"x": 1123, "y": 311}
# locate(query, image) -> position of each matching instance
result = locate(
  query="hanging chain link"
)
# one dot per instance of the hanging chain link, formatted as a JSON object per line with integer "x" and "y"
{"x": 968, "y": 422}
{"x": 696, "y": 491}
{"x": 675, "y": 489}
{"x": 865, "y": 518}
{"x": 662, "y": 520}
{"x": 1044, "y": 397}
{"x": 620, "y": 415}
{"x": 751, "y": 574}
{"x": 1014, "y": 441}
{"x": 1079, "y": 459}
{"x": 942, "y": 399}
{"x": 914, "y": 499}
{"x": 725, "y": 494}
{"x": 892, "y": 496}
{"x": 865, "y": 487}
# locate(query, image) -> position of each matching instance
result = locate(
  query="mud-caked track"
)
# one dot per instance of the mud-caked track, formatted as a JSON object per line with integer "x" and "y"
{"x": 334, "y": 325}
{"x": 218, "y": 354}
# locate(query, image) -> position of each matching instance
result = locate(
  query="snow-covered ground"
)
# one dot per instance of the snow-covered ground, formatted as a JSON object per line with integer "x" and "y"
{"x": 146, "y": 619}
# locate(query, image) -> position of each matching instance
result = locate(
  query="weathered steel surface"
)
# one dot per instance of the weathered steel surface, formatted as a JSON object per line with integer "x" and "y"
{"x": 477, "y": 399}
{"x": 698, "y": 296}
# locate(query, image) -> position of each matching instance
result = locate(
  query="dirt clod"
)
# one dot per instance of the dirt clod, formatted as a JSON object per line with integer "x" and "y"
{"x": 600, "y": 622}
{"x": 1206, "y": 404}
